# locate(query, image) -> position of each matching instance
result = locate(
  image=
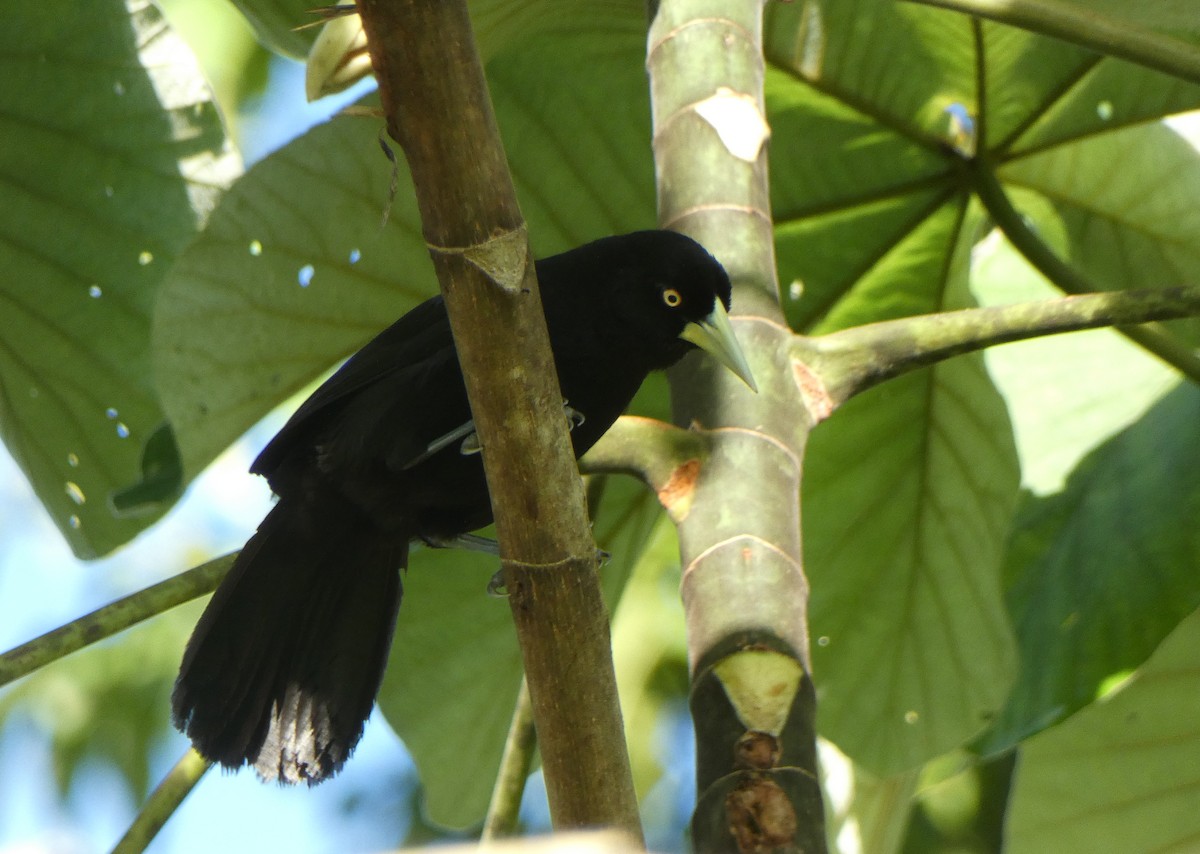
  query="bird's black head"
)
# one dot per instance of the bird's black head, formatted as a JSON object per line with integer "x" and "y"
{"x": 659, "y": 294}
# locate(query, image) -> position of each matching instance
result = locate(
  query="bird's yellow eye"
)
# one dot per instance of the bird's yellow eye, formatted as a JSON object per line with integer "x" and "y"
{"x": 671, "y": 297}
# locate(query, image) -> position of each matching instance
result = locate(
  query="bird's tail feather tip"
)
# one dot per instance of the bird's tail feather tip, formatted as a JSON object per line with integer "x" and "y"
{"x": 282, "y": 670}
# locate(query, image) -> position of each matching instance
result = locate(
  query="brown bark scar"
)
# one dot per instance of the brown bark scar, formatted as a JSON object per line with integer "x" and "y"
{"x": 816, "y": 397}
{"x": 760, "y": 816}
{"x": 677, "y": 493}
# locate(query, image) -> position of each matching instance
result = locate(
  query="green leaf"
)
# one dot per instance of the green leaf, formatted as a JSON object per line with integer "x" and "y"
{"x": 294, "y": 272}
{"x": 499, "y": 25}
{"x": 113, "y": 154}
{"x": 1160, "y": 35}
{"x": 821, "y": 258}
{"x": 455, "y": 668}
{"x": 507, "y": 26}
{"x": 1041, "y": 92}
{"x": 850, "y": 158}
{"x": 905, "y": 516}
{"x": 1121, "y": 775}
{"x": 908, "y": 492}
{"x": 579, "y": 152}
{"x": 1102, "y": 571}
{"x": 452, "y": 681}
{"x": 275, "y": 23}
{"x": 1024, "y": 77}
{"x": 867, "y": 117}
{"x": 1066, "y": 393}
{"x": 858, "y": 189}
{"x": 236, "y": 330}
{"x": 1126, "y": 201}
{"x": 871, "y": 104}
{"x": 901, "y": 64}
{"x": 1107, "y": 95}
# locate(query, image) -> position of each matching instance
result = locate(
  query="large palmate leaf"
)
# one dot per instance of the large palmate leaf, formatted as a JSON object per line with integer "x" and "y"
{"x": 113, "y": 154}
{"x": 1121, "y": 775}
{"x": 296, "y": 271}
{"x": 1101, "y": 564}
{"x": 873, "y": 107}
{"x": 455, "y": 669}
{"x": 498, "y": 24}
{"x": 1101, "y": 572}
{"x": 908, "y": 493}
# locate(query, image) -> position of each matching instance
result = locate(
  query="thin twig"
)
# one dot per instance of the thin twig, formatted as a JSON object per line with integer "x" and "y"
{"x": 645, "y": 448}
{"x": 1072, "y": 22}
{"x": 112, "y": 618}
{"x": 162, "y": 803}
{"x": 519, "y": 747}
{"x": 1154, "y": 338}
{"x": 853, "y": 360}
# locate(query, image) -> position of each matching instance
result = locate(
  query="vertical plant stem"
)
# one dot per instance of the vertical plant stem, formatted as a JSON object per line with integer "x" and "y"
{"x": 744, "y": 590}
{"x": 435, "y": 98}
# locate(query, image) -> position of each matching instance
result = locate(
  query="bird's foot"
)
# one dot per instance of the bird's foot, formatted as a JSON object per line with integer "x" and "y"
{"x": 470, "y": 439}
{"x": 469, "y": 542}
{"x": 497, "y": 588}
{"x": 575, "y": 418}
{"x": 466, "y": 432}
{"x": 471, "y": 445}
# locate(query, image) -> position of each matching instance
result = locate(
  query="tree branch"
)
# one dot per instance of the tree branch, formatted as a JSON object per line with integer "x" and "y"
{"x": 744, "y": 591}
{"x": 519, "y": 748}
{"x": 852, "y": 360}
{"x": 162, "y": 803}
{"x": 1089, "y": 29}
{"x": 663, "y": 456}
{"x": 112, "y": 618}
{"x": 1154, "y": 338}
{"x": 436, "y": 101}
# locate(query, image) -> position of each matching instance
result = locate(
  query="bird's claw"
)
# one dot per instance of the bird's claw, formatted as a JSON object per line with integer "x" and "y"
{"x": 497, "y": 588}
{"x": 470, "y": 439}
{"x": 575, "y": 418}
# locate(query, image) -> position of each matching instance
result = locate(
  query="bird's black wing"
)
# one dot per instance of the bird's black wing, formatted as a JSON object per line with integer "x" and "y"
{"x": 419, "y": 337}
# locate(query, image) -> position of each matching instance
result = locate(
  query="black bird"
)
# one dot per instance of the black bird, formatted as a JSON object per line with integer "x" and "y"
{"x": 284, "y": 665}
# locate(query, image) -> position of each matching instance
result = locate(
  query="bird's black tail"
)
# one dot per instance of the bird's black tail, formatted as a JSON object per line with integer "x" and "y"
{"x": 284, "y": 665}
